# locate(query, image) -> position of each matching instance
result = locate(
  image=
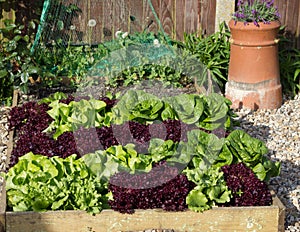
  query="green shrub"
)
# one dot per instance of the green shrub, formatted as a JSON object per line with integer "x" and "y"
{"x": 213, "y": 51}
{"x": 16, "y": 64}
{"x": 289, "y": 60}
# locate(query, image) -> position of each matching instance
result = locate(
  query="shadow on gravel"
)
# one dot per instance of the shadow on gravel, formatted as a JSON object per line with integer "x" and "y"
{"x": 286, "y": 185}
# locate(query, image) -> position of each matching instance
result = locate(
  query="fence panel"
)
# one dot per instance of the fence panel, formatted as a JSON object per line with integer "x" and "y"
{"x": 290, "y": 17}
{"x": 176, "y": 16}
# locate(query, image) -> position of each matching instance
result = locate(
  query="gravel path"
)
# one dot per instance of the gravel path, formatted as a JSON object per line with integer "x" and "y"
{"x": 280, "y": 129}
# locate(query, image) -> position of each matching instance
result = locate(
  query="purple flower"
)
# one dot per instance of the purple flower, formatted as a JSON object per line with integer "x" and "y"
{"x": 270, "y": 4}
{"x": 240, "y": 2}
{"x": 256, "y": 11}
{"x": 250, "y": 2}
{"x": 256, "y": 23}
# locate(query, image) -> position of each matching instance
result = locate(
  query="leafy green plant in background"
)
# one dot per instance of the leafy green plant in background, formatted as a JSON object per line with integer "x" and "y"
{"x": 209, "y": 112}
{"x": 16, "y": 66}
{"x": 63, "y": 63}
{"x": 289, "y": 60}
{"x": 139, "y": 56}
{"x": 213, "y": 51}
{"x": 69, "y": 64}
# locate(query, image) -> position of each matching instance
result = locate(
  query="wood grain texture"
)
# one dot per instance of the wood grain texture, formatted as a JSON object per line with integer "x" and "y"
{"x": 136, "y": 10}
{"x": 96, "y": 11}
{"x": 179, "y": 18}
{"x": 152, "y": 23}
{"x": 191, "y": 16}
{"x": 9, "y": 150}
{"x": 298, "y": 30}
{"x": 292, "y": 21}
{"x": 282, "y": 8}
{"x": 167, "y": 13}
{"x": 108, "y": 19}
{"x": 207, "y": 16}
{"x": 121, "y": 16}
{"x": 263, "y": 219}
{"x": 293, "y": 13}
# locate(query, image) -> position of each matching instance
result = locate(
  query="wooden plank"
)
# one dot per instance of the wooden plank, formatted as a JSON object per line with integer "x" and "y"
{"x": 108, "y": 17}
{"x": 281, "y": 221}
{"x": 121, "y": 16}
{"x": 293, "y": 7}
{"x": 298, "y": 32}
{"x": 137, "y": 23}
{"x": 264, "y": 219}
{"x": 191, "y": 16}
{"x": 224, "y": 11}
{"x": 80, "y": 23}
{"x": 282, "y": 8}
{"x": 8, "y": 154}
{"x": 2, "y": 209}
{"x": 167, "y": 13}
{"x": 207, "y": 16}
{"x": 152, "y": 23}
{"x": 96, "y": 11}
{"x": 179, "y": 19}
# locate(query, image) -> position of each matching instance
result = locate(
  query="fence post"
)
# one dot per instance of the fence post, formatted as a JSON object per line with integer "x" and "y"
{"x": 224, "y": 9}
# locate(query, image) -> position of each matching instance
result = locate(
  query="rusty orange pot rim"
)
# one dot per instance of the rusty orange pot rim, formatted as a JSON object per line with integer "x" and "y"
{"x": 249, "y": 25}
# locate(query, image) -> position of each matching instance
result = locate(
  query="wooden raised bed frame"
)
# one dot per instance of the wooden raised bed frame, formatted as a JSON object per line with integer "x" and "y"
{"x": 260, "y": 218}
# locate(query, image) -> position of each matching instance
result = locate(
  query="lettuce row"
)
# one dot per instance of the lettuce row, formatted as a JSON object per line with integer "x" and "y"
{"x": 208, "y": 112}
{"x": 201, "y": 159}
{"x": 40, "y": 183}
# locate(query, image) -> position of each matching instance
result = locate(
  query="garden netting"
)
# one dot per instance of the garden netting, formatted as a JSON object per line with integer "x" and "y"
{"x": 118, "y": 47}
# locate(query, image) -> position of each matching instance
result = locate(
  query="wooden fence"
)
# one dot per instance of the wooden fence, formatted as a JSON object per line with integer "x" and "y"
{"x": 290, "y": 17}
{"x": 176, "y": 16}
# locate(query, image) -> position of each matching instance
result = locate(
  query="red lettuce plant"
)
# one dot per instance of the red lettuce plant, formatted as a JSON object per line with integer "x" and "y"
{"x": 247, "y": 189}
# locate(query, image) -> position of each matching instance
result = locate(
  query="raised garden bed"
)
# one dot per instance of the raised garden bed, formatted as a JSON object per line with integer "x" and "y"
{"x": 259, "y": 218}
{"x": 263, "y": 218}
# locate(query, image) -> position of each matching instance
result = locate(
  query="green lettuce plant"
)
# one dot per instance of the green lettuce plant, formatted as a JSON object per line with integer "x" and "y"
{"x": 40, "y": 183}
{"x": 76, "y": 114}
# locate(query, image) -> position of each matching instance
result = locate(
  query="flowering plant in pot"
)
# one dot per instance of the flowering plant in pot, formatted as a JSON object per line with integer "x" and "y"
{"x": 254, "y": 41}
{"x": 256, "y": 11}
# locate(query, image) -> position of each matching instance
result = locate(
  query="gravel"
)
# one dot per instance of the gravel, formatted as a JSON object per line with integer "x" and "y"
{"x": 3, "y": 140}
{"x": 279, "y": 129}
